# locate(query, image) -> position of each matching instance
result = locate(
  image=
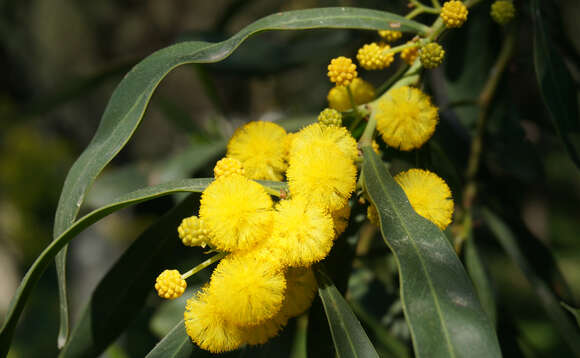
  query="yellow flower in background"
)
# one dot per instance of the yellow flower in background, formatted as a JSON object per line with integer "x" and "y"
{"x": 237, "y": 211}
{"x": 260, "y": 147}
{"x": 428, "y": 194}
{"x": 341, "y": 71}
{"x": 390, "y": 35}
{"x": 373, "y": 215}
{"x": 330, "y": 117}
{"x": 303, "y": 232}
{"x": 362, "y": 92}
{"x": 323, "y": 174}
{"x": 340, "y": 219}
{"x": 300, "y": 291}
{"x": 170, "y": 285}
{"x": 502, "y": 11}
{"x": 375, "y": 56}
{"x": 317, "y": 134}
{"x": 247, "y": 291}
{"x": 193, "y": 232}
{"x": 406, "y": 119}
{"x": 228, "y": 166}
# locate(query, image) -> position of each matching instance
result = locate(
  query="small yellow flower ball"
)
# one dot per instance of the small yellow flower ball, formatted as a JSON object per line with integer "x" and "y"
{"x": 406, "y": 119}
{"x": 193, "y": 232}
{"x": 454, "y": 13}
{"x": 431, "y": 55}
{"x": 342, "y": 71}
{"x": 228, "y": 166}
{"x": 330, "y": 117}
{"x": 428, "y": 194}
{"x": 373, "y": 215}
{"x": 317, "y": 134}
{"x": 503, "y": 11}
{"x": 390, "y": 35}
{"x": 375, "y": 57}
{"x": 410, "y": 54}
{"x": 170, "y": 285}
{"x": 362, "y": 92}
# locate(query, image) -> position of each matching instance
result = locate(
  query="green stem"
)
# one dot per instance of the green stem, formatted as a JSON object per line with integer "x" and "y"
{"x": 204, "y": 264}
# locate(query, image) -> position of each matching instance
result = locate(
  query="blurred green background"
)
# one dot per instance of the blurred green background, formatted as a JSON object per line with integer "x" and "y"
{"x": 63, "y": 58}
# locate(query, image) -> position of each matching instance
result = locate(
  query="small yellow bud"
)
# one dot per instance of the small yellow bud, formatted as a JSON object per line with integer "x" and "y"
{"x": 362, "y": 92}
{"x": 454, "y": 13}
{"x": 503, "y": 11}
{"x": 193, "y": 232}
{"x": 228, "y": 166}
{"x": 390, "y": 36}
{"x": 410, "y": 54}
{"x": 375, "y": 57}
{"x": 170, "y": 285}
{"x": 431, "y": 55}
{"x": 342, "y": 71}
{"x": 330, "y": 117}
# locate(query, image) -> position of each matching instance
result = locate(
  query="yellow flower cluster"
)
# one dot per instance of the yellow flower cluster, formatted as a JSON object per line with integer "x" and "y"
{"x": 454, "y": 13}
{"x": 170, "y": 285}
{"x": 266, "y": 278}
{"x": 330, "y": 117}
{"x": 410, "y": 54}
{"x": 362, "y": 92}
{"x": 390, "y": 35}
{"x": 193, "y": 232}
{"x": 342, "y": 71}
{"x": 503, "y": 11}
{"x": 431, "y": 55}
{"x": 374, "y": 56}
{"x": 228, "y": 166}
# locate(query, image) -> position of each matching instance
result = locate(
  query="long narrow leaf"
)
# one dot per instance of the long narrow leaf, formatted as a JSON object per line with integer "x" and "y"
{"x": 442, "y": 311}
{"x": 176, "y": 344}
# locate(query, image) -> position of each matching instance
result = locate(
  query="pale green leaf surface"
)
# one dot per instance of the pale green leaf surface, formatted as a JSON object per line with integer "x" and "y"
{"x": 442, "y": 311}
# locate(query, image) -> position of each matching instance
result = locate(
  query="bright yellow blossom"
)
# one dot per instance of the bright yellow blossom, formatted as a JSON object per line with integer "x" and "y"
{"x": 454, "y": 13}
{"x": 170, "y": 285}
{"x": 237, "y": 211}
{"x": 262, "y": 332}
{"x": 406, "y": 119}
{"x": 428, "y": 194}
{"x": 362, "y": 92}
{"x": 410, "y": 54}
{"x": 300, "y": 291}
{"x": 323, "y": 174}
{"x": 342, "y": 71}
{"x": 390, "y": 35}
{"x": 317, "y": 134}
{"x": 374, "y": 56}
{"x": 227, "y": 166}
{"x": 193, "y": 232}
{"x": 260, "y": 147}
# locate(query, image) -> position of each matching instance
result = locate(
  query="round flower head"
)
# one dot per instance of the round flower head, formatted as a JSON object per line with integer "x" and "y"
{"x": 342, "y": 71}
{"x": 300, "y": 292}
{"x": 193, "y": 232}
{"x": 406, "y": 119}
{"x": 261, "y": 333}
{"x": 247, "y": 291}
{"x": 237, "y": 211}
{"x": 373, "y": 215}
{"x": 362, "y": 92}
{"x": 317, "y": 134}
{"x": 330, "y": 117}
{"x": 302, "y": 234}
{"x": 259, "y": 146}
{"x": 428, "y": 194}
{"x": 375, "y": 57}
{"x": 410, "y": 54}
{"x": 503, "y": 11}
{"x": 207, "y": 328}
{"x": 323, "y": 174}
{"x": 390, "y": 36}
{"x": 454, "y": 13}
{"x": 431, "y": 55}
{"x": 228, "y": 166}
{"x": 170, "y": 285}
{"x": 340, "y": 219}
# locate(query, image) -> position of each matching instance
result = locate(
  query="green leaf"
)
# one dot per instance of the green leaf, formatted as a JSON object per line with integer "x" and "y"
{"x": 442, "y": 311}
{"x": 574, "y": 311}
{"x": 548, "y": 299}
{"x": 481, "y": 279}
{"x": 555, "y": 83}
{"x": 350, "y": 339}
{"x": 176, "y": 344}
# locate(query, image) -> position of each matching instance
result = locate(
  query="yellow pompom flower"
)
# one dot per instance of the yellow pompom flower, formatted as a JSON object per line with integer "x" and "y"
{"x": 170, "y": 285}
{"x": 431, "y": 55}
{"x": 390, "y": 35}
{"x": 228, "y": 166}
{"x": 410, "y": 54}
{"x": 428, "y": 194}
{"x": 406, "y": 119}
{"x": 247, "y": 291}
{"x": 261, "y": 333}
{"x": 302, "y": 234}
{"x": 323, "y": 174}
{"x": 317, "y": 134}
{"x": 340, "y": 219}
{"x": 375, "y": 57}
{"x": 330, "y": 117}
{"x": 373, "y": 215}
{"x": 193, "y": 232}
{"x": 237, "y": 211}
{"x": 300, "y": 292}
{"x": 362, "y": 92}
{"x": 342, "y": 71}
{"x": 454, "y": 13}
{"x": 260, "y": 147}
{"x": 207, "y": 328}
{"x": 503, "y": 11}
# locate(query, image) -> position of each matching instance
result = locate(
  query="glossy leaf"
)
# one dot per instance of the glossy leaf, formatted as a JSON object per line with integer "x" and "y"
{"x": 176, "y": 344}
{"x": 441, "y": 308}
{"x": 350, "y": 339}
{"x": 569, "y": 332}
{"x": 555, "y": 83}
